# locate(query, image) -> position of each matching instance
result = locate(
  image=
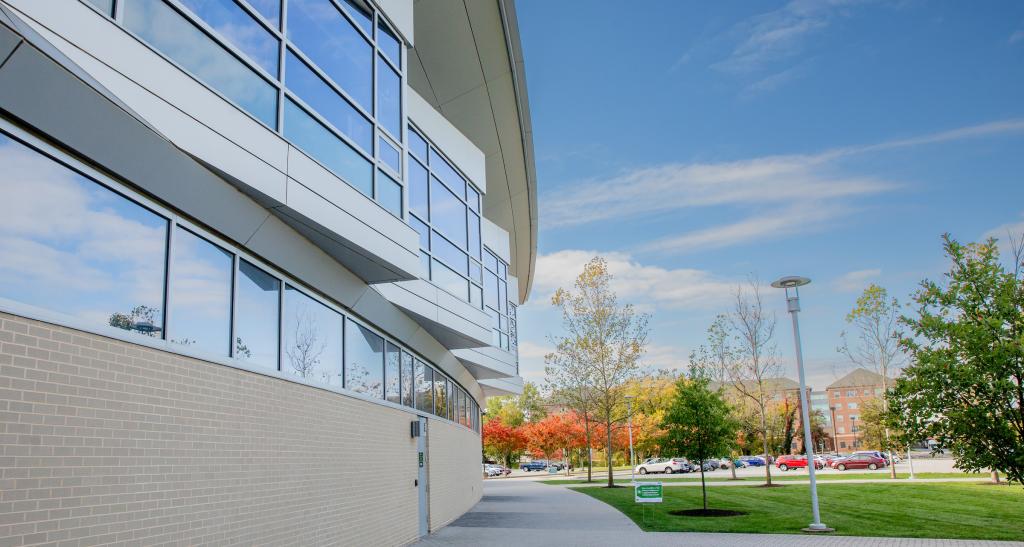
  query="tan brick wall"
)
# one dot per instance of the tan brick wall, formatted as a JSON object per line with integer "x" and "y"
{"x": 456, "y": 473}
{"x": 104, "y": 441}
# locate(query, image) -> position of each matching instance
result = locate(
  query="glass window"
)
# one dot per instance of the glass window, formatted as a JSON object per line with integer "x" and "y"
{"x": 389, "y": 99}
{"x": 447, "y": 174}
{"x": 270, "y": 9}
{"x": 312, "y": 89}
{"x": 451, "y": 398}
{"x": 424, "y": 232}
{"x": 428, "y": 389}
{"x": 440, "y": 395}
{"x": 390, "y": 155}
{"x": 417, "y": 145}
{"x": 447, "y": 279}
{"x": 476, "y": 295}
{"x": 473, "y": 198}
{"x": 239, "y": 29}
{"x": 450, "y": 254}
{"x": 168, "y": 31}
{"x": 70, "y": 245}
{"x": 475, "y": 272}
{"x": 201, "y": 285}
{"x": 256, "y": 316}
{"x": 491, "y": 290}
{"x": 422, "y": 388}
{"x": 474, "y": 235}
{"x": 389, "y": 193}
{"x": 447, "y": 213}
{"x": 851, "y": 405}
{"x": 418, "y": 196}
{"x": 312, "y": 339}
{"x": 317, "y": 141}
{"x": 361, "y": 15}
{"x": 389, "y": 44}
{"x": 407, "y": 380}
{"x": 330, "y": 40}
{"x": 392, "y": 373}
{"x": 364, "y": 360}
{"x": 106, "y": 6}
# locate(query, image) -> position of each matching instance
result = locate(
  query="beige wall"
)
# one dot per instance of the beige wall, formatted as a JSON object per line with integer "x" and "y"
{"x": 456, "y": 473}
{"x": 110, "y": 441}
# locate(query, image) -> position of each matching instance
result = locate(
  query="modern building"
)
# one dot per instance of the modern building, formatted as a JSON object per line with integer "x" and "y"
{"x": 847, "y": 397}
{"x": 261, "y": 261}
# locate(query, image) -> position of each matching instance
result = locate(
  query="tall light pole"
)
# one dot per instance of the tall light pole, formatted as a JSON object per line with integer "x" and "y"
{"x": 835, "y": 436}
{"x": 793, "y": 283}
{"x": 853, "y": 426}
{"x": 629, "y": 416}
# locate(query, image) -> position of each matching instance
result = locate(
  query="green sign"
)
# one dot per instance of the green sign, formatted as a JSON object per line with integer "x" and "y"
{"x": 647, "y": 492}
{"x": 421, "y": 459}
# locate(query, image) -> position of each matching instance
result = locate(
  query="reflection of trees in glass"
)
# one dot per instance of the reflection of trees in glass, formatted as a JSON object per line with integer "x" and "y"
{"x": 140, "y": 319}
{"x": 242, "y": 351}
{"x": 306, "y": 348}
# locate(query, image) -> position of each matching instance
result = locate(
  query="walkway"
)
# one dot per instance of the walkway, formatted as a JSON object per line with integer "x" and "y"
{"x": 526, "y": 513}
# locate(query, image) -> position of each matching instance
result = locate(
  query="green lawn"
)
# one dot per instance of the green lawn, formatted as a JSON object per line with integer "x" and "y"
{"x": 948, "y": 510}
{"x": 777, "y": 476}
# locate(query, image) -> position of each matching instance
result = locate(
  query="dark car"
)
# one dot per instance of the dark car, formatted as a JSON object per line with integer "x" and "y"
{"x": 785, "y": 463}
{"x": 859, "y": 461}
{"x": 752, "y": 461}
{"x": 533, "y": 466}
{"x": 710, "y": 465}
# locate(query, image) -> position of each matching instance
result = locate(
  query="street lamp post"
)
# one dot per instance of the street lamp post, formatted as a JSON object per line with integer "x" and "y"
{"x": 853, "y": 426}
{"x": 793, "y": 304}
{"x": 629, "y": 416}
{"x": 835, "y": 436}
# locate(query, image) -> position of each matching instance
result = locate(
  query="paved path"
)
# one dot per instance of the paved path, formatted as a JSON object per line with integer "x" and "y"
{"x": 526, "y": 513}
{"x": 719, "y": 482}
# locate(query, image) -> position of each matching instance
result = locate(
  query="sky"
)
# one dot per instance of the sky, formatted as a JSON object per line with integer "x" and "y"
{"x": 697, "y": 145}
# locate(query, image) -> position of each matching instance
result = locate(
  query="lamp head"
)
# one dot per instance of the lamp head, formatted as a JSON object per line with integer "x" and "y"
{"x": 790, "y": 281}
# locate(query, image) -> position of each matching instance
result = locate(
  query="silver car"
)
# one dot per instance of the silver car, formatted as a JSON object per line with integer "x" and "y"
{"x": 663, "y": 465}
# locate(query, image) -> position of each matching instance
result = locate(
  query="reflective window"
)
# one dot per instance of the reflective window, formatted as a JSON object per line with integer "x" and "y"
{"x": 447, "y": 213}
{"x": 201, "y": 285}
{"x": 496, "y": 302}
{"x": 316, "y": 93}
{"x": 417, "y": 145}
{"x": 392, "y": 373}
{"x": 418, "y": 196}
{"x": 440, "y": 395}
{"x": 361, "y": 14}
{"x": 256, "y": 316}
{"x": 428, "y": 389}
{"x": 449, "y": 280}
{"x": 450, "y": 254}
{"x": 389, "y": 155}
{"x": 444, "y": 171}
{"x": 330, "y": 40}
{"x": 473, "y": 198}
{"x": 169, "y": 32}
{"x": 312, "y": 339}
{"x": 423, "y": 230}
{"x": 70, "y": 245}
{"x": 389, "y": 44}
{"x": 270, "y": 9}
{"x": 389, "y": 193}
{"x": 389, "y": 99}
{"x": 452, "y": 400}
{"x": 474, "y": 235}
{"x": 239, "y": 29}
{"x": 364, "y": 360}
{"x": 317, "y": 141}
{"x": 422, "y": 389}
{"x": 106, "y": 6}
{"x": 407, "y": 380}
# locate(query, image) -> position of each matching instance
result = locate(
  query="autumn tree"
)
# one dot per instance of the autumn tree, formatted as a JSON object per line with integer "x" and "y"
{"x": 966, "y": 342}
{"x": 875, "y": 321}
{"x": 600, "y": 351}
{"x": 502, "y": 441}
{"x": 515, "y": 410}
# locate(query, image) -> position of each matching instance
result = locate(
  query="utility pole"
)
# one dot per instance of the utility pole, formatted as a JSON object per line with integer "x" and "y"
{"x": 835, "y": 436}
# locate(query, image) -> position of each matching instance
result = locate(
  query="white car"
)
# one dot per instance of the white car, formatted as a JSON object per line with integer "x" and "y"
{"x": 492, "y": 470}
{"x": 663, "y": 465}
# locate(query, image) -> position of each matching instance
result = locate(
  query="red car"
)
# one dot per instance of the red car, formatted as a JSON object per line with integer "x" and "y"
{"x": 859, "y": 461}
{"x": 785, "y": 463}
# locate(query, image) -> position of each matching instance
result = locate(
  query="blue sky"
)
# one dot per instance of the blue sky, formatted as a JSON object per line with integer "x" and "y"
{"x": 694, "y": 144}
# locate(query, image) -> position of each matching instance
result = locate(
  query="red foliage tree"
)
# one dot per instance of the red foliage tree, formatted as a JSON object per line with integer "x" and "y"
{"x": 502, "y": 441}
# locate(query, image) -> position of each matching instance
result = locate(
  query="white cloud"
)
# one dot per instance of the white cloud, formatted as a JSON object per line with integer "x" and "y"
{"x": 665, "y": 357}
{"x": 856, "y": 280}
{"x": 1003, "y": 233}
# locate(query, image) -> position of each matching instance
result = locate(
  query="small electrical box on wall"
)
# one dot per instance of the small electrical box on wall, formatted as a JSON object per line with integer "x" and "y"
{"x": 414, "y": 429}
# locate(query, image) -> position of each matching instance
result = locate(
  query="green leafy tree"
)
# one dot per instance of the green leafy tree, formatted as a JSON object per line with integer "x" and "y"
{"x": 966, "y": 382}
{"x": 699, "y": 424}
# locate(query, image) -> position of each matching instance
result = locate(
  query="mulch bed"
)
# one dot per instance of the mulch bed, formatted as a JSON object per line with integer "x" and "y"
{"x": 706, "y": 513}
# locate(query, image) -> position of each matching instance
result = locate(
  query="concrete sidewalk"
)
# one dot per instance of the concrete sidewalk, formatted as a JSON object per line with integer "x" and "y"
{"x": 526, "y": 513}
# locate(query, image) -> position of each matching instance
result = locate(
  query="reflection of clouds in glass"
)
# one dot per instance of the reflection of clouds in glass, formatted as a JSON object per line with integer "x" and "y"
{"x": 335, "y": 45}
{"x": 72, "y": 246}
{"x": 313, "y": 343}
{"x": 240, "y": 29}
{"x": 257, "y": 327}
{"x": 169, "y": 32}
{"x": 364, "y": 362}
{"x": 201, "y": 294}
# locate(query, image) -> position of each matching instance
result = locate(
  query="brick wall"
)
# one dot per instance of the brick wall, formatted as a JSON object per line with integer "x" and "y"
{"x": 456, "y": 472}
{"x": 105, "y": 441}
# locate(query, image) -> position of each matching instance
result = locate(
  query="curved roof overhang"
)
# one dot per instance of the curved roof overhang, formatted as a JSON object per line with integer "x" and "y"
{"x": 467, "y": 63}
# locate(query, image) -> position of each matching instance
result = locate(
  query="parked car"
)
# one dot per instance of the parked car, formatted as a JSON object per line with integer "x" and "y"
{"x": 534, "y": 466}
{"x": 859, "y": 461}
{"x": 710, "y": 465}
{"x": 753, "y": 461}
{"x": 785, "y": 463}
{"x": 874, "y": 453}
{"x": 664, "y": 465}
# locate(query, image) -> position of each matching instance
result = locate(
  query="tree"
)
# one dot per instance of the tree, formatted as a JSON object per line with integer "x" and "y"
{"x": 515, "y": 410}
{"x": 141, "y": 319}
{"x": 875, "y": 318}
{"x": 741, "y": 352}
{"x": 306, "y": 348}
{"x": 601, "y": 350}
{"x": 502, "y": 441}
{"x": 699, "y": 425}
{"x": 966, "y": 379}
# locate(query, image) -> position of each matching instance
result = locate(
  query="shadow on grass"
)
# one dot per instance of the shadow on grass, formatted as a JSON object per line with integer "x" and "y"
{"x": 707, "y": 513}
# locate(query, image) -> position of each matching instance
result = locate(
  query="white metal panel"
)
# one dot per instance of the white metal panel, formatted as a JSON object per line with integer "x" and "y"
{"x": 466, "y": 155}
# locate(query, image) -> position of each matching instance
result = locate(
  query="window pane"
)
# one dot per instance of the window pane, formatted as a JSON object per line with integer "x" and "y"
{"x": 333, "y": 107}
{"x": 502, "y": 296}
{"x": 360, "y": 14}
{"x": 447, "y": 213}
{"x": 447, "y": 174}
{"x": 476, "y": 296}
{"x": 448, "y": 280}
{"x": 392, "y": 376}
{"x": 475, "y": 271}
{"x": 201, "y": 288}
{"x": 364, "y": 360}
{"x": 440, "y": 395}
{"x": 491, "y": 262}
{"x": 271, "y": 9}
{"x": 502, "y": 270}
{"x": 449, "y": 253}
{"x": 474, "y": 235}
{"x": 317, "y": 141}
{"x": 389, "y": 44}
{"x": 421, "y": 386}
{"x": 106, "y": 6}
{"x": 256, "y": 317}
{"x": 473, "y": 198}
{"x": 417, "y": 178}
{"x": 407, "y": 380}
{"x": 238, "y": 28}
{"x": 452, "y": 399}
{"x": 417, "y": 145}
{"x": 490, "y": 290}
{"x": 428, "y": 389}
{"x": 424, "y": 266}
{"x": 312, "y": 339}
{"x": 389, "y": 193}
{"x": 69, "y": 245}
{"x": 389, "y": 99}
{"x": 323, "y": 34}
{"x": 424, "y": 232}
{"x": 391, "y": 157}
{"x": 166, "y": 30}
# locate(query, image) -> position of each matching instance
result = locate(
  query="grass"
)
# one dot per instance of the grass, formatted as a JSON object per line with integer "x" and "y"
{"x": 946, "y": 510}
{"x": 777, "y": 477}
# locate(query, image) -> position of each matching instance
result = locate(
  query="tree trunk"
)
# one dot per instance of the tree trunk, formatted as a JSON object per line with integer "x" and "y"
{"x": 589, "y": 449}
{"x": 995, "y": 477}
{"x": 608, "y": 425}
{"x": 703, "y": 486}
{"x": 764, "y": 439}
{"x": 732, "y": 467}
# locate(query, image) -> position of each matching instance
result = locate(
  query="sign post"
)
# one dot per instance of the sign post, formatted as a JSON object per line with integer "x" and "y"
{"x": 647, "y": 492}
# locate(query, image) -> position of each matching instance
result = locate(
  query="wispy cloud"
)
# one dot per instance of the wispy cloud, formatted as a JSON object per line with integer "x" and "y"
{"x": 1004, "y": 233}
{"x": 1017, "y": 36}
{"x": 772, "y": 82}
{"x": 856, "y": 280}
